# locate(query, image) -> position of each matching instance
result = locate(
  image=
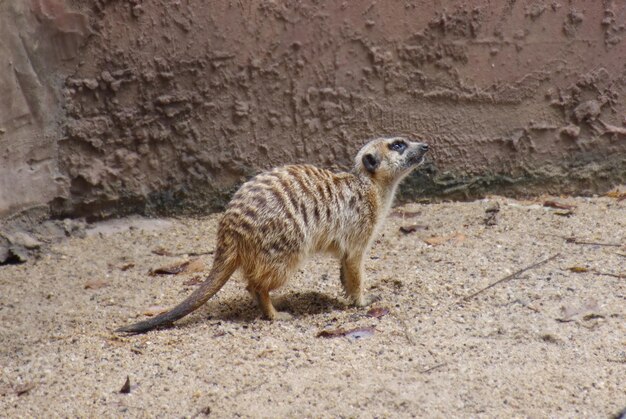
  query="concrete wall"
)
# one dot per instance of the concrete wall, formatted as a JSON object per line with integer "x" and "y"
{"x": 169, "y": 105}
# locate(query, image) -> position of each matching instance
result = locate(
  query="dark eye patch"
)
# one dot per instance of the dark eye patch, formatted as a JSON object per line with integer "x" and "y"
{"x": 398, "y": 146}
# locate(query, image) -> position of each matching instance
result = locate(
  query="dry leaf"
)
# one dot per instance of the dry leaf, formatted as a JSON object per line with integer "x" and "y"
{"x": 439, "y": 240}
{"x": 567, "y": 213}
{"x": 558, "y": 205}
{"x": 377, "y": 312}
{"x": 357, "y": 333}
{"x": 161, "y": 251}
{"x": 126, "y": 387}
{"x": 578, "y": 269}
{"x": 550, "y": 338}
{"x": 127, "y": 266}
{"x": 458, "y": 237}
{"x": 436, "y": 240}
{"x": 331, "y": 333}
{"x": 617, "y": 194}
{"x": 185, "y": 266}
{"x": 592, "y": 316}
{"x": 95, "y": 284}
{"x": 361, "y": 332}
{"x": 154, "y": 310}
{"x": 412, "y": 228}
{"x": 173, "y": 269}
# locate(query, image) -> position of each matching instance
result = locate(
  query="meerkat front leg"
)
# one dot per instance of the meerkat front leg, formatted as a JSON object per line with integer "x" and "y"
{"x": 351, "y": 276}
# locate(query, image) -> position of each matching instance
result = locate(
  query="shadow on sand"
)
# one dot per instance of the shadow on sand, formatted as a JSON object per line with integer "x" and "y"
{"x": 244, "y": 310}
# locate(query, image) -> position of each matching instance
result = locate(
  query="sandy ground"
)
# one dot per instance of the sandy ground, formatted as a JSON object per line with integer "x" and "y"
{"x": 550, "y": 342}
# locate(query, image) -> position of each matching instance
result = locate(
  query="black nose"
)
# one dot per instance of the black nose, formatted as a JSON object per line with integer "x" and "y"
{"x": 424, "y": 148}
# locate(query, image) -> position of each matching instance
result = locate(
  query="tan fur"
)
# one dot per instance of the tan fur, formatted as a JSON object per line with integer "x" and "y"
{"x": 279, "y": 218}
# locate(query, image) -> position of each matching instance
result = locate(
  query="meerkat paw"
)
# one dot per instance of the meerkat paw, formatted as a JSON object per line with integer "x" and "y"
{"x": 366, "y": 300}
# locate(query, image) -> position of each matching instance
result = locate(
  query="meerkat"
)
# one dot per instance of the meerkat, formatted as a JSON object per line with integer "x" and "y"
{"x": 280, "y": 217}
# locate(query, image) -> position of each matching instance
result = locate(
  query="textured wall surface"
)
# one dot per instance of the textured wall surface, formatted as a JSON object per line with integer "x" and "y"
{"x": 38, "y": 41}
{"x": 171, "y": 104}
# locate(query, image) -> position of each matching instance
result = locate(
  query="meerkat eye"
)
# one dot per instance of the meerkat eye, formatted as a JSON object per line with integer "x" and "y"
{"x": 398, "y": 146}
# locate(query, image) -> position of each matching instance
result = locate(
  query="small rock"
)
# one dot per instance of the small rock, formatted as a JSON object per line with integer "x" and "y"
{"x": 18, "y": 254}
{"x": 24, "y": 240}
{"x": 74, "y": 228}
{"x": 587, "y": 111}
{"x": 106, "y": 77}
{"x": 242, "y": 109}
{"x": 5, "y": 252}
{"x": 572, "y": 131}
{"x": 91, "y": 84}
{"x": 137, "y": 11}
{"x": 575, "y": 16}
{"x": 491, "y": 214}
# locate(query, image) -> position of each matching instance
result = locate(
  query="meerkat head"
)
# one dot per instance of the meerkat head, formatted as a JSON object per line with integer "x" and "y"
{"x": 390, "y": 159}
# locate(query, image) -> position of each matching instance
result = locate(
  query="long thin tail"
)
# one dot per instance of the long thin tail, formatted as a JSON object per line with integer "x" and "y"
{"x": 223, "y": 267}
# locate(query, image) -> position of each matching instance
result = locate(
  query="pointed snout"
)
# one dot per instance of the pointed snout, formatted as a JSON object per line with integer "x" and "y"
{"x": 420, "y": 148}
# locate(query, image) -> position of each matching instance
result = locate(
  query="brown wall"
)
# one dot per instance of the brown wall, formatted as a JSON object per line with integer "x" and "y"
{"x": 171, "y": 104}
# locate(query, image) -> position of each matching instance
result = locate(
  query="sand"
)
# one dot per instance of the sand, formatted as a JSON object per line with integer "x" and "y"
{"x": 549, "y": 342}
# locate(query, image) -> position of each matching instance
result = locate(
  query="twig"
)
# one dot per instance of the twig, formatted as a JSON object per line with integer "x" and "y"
{"x": 620, "y": 276}
{"x": 210, "y": 252}
{"x": 509, "y": 277}
{"x": 433, "y": 368}
{"x": 163, "y": 252}
{"x": 574, "y": 240}
{"x": 407, "y": 332}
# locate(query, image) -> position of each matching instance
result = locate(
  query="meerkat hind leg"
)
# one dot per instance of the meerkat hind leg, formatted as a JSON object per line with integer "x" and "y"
{"x": 267, "y": 307}
{"x": 259, "y": 286}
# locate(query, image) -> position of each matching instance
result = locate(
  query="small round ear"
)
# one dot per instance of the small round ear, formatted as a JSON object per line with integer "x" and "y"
{"x": 370, "y": 162}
